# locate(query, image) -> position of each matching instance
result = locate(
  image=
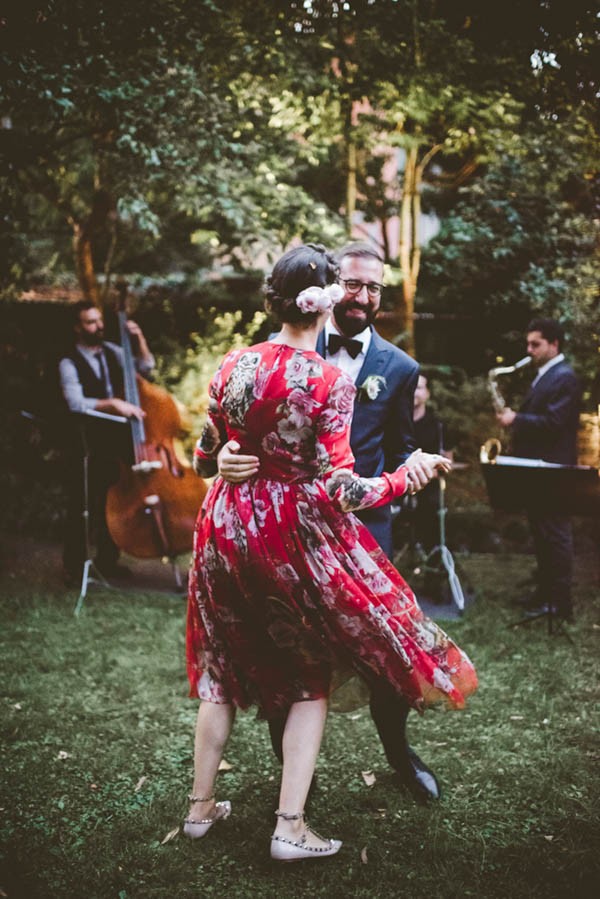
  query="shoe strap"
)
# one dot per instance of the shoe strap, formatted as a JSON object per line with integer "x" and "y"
{"x": 287, "y": 816}
{"x": 193, "y": 798}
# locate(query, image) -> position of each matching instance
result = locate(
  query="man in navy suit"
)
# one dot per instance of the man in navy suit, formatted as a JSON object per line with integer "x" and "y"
{"x": 382, "y": 435}
{"x": 381, "y": 438}
{"x": 546, "y": 428}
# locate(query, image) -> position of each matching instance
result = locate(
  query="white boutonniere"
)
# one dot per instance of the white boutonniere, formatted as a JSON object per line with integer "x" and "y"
{"x": 371, "y": 387}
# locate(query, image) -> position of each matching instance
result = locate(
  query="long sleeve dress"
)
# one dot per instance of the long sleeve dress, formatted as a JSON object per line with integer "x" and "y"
{"x": 285, "y": 582}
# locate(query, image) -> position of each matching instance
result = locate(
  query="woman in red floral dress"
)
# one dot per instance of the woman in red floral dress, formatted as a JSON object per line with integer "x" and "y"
{"x": 285, "y": 584}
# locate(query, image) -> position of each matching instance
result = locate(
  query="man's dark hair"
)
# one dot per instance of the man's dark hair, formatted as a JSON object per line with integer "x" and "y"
{"x": 79, "y": 307}
{"x": 550, "y": 330}
{"x": 361, "y": 249}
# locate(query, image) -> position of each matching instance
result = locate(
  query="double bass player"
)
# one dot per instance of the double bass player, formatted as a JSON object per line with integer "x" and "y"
{"x": 91, "y": 379}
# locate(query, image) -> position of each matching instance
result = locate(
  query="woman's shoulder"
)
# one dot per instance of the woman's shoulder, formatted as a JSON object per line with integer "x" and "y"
{"x": 335, "y": 375}
{"x": 256, "y": 350}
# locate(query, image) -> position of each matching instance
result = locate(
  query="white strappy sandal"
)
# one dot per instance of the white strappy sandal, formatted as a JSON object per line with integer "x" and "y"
{"x": 285, "y": 850}
{"x": 196, "y": 829}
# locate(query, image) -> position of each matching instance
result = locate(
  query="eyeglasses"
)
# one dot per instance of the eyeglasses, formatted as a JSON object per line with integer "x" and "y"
{"x": 354, "y": 287}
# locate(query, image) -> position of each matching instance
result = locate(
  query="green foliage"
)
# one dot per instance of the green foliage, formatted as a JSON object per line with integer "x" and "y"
{"x": 452, "y": 394}
{"x": 173, "y": 134}
{"x": 191, "y": 371}
{"x": 520, "y": 240}
{"x": 126, "y": 118}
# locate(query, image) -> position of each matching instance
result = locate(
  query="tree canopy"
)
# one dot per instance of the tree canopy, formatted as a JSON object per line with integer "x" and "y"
{"x": 170, "y": 133}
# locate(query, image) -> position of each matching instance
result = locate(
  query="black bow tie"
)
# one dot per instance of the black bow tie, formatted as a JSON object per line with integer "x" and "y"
{"x": 336, "y": 341}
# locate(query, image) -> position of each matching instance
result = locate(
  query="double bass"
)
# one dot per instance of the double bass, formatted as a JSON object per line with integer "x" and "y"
{"x": 152, "y": 509}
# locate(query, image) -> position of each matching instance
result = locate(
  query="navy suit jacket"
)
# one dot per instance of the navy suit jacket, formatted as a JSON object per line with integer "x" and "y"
{"x": 382, "y": 435}
{"x": 546, "y": 425}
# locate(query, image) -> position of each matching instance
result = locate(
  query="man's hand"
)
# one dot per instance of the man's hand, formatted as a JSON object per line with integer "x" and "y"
{"x": 135, "y": 331}
{"x": 506, "y": 417}
{"x": 423, "y": 467}
{"x": 116, "y": 406}
{"x": 233, "y": 467}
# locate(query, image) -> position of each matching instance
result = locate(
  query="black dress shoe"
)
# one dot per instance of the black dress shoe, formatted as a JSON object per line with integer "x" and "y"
{"x": 418, "y": 778}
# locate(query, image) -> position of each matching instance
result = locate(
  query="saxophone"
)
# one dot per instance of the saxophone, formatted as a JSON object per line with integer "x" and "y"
{"x": 497, "y": 398}
{"x": 492, "y": 447}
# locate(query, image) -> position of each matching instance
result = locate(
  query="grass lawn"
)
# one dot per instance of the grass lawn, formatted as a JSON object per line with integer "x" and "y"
{"x": 97, "y": 744}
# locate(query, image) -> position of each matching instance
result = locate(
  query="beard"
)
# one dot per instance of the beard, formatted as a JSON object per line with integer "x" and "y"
{"x": 348, "y": 325}
{"x": 92, "y": 339}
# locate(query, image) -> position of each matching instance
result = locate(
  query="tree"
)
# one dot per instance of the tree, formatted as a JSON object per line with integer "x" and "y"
{"x": 442, "y": 82}
{"x": 521, "y": 240}
{"x": 109, "y": 111}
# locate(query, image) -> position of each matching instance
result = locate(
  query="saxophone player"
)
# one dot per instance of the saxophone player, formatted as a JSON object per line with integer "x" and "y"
{"x": 545, "y": 428}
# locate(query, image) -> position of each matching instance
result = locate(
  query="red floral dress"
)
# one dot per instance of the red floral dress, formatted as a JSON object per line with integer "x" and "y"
{"x": 285, "y": 583}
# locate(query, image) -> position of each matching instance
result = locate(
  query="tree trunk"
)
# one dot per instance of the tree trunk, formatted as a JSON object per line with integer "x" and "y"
{"x": 410, "y": 245}
{"x": 350, "y": 171}
{"x": 84, "y": 264}
{"x": 406, "y": 251}
{"x": 84, "y": 233}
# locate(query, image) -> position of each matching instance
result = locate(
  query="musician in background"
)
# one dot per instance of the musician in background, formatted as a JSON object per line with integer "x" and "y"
{"x": 546, "y": 428}
{"x": 91, "y": 379}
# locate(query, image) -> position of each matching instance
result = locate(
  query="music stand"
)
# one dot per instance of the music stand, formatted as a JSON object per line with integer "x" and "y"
{"x": 515, "y": 483}
{"x": 90, "y": 573}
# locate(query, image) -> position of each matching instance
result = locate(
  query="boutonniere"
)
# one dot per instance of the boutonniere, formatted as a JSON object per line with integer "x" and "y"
{"x": 371, "y": 387}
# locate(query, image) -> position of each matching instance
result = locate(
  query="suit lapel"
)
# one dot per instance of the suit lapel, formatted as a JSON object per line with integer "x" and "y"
{"x": 375, "y": 359}
{"x": 543, "y": 382}
{"x": 321, "y": 343}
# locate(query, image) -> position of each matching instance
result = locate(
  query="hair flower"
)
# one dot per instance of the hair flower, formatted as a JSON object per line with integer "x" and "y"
{"x": 319, "y": 299}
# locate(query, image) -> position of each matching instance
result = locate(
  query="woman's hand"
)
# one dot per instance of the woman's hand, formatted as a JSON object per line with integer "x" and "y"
{"x": 233, "y": 467}
{"x": 422, "y": 467}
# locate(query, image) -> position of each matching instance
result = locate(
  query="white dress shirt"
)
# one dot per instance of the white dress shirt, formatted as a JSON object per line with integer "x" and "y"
{"x": 342, "y": 358}
{"x": 69, "y": 377}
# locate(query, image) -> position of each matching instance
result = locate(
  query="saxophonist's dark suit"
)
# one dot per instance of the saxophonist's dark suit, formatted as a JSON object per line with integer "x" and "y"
{"x": 546, "y": 428}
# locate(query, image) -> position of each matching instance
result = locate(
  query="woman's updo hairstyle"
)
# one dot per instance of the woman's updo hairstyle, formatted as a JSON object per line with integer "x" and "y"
{"x": 306, "y": 266}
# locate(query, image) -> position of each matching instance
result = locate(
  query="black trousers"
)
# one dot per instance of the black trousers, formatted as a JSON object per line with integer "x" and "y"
{"x": 553, "y": 545}
{"x": 102, "y": 472}
{"x": 389, "y": 712}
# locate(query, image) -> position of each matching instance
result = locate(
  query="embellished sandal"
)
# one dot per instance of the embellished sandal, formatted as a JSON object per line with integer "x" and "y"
{"x": 285, "y": 850}
{"x": 196, "y": 829}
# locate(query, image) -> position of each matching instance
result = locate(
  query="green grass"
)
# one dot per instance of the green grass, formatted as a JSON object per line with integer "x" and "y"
{"x": 90, "y": 706}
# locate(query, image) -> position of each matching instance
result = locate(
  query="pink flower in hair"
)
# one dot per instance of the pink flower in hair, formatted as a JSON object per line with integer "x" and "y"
{"x": 319, "y": 299}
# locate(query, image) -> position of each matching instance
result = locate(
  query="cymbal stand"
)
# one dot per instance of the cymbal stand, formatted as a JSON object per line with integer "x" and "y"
{"x": 440, "y": 560}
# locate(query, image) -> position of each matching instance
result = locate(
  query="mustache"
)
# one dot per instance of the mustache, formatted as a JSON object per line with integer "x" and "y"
{"x": 360, "y": 307}
{"x": 350, "y": 307}
{"x": 98, "y": 337}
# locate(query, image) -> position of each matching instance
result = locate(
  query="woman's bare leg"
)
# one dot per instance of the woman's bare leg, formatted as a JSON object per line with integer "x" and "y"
{"x": 301, "y": 741}
{"x": 213, "y": 727}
